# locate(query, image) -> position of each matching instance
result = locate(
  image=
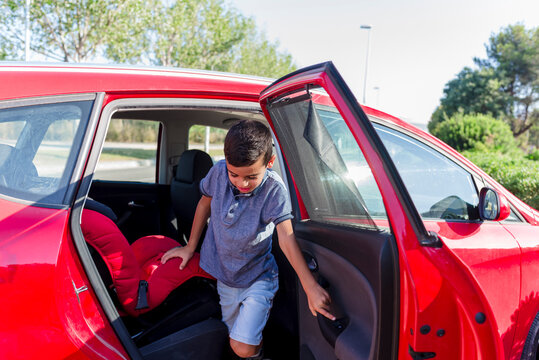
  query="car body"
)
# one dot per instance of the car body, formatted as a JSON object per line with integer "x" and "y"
{"x": 392, "y": 221}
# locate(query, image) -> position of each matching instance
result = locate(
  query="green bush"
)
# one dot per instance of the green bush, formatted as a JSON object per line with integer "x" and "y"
{"x": 476, "y": 132}
{"x": 534, "y": 155}
{"x": 516, "y": 173}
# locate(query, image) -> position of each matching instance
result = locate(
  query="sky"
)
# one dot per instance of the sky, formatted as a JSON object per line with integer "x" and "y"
{"x": 415, "y": 46}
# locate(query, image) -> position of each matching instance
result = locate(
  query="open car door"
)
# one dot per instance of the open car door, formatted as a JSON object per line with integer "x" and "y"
{"x": 396, "y": 289}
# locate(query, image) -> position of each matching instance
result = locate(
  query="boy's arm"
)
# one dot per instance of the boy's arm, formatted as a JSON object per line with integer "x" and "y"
{"x": 317, "y": 297}
{"x": 186, "y": 252}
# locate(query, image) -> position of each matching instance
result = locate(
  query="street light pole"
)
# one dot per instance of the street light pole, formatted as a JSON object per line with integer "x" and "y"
{"x": 366, "y": 27}
{"x": 27, "y": 32}
{"x": 377, "y": 89}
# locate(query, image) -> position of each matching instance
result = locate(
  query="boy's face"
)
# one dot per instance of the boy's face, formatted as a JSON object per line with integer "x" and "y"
{"x": 247, "y": 178}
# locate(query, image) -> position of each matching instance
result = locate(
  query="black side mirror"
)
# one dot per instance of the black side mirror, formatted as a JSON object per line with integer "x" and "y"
{"x": 493, "y": 205}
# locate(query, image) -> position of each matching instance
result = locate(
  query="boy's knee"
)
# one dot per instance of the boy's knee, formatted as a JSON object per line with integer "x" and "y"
{"x": 244, "y": 350}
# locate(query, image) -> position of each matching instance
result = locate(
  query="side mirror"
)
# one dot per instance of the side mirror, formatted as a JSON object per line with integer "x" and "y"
{"x": 493, "y": 205}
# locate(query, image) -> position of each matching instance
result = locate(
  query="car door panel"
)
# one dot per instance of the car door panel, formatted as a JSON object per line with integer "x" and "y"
{"x": 528, "y": 304}
{"x": 40, "y": 312}
{"x": 457, "y": 306}
{"x": 497, "y": 270}
{"x": 361, "y": 261}
{"x": 445, "y": 193}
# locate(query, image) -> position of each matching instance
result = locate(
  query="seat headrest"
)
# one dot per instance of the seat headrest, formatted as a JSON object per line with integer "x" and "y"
{"x": 101, "y": 208}
{"x": 193, "y": 166}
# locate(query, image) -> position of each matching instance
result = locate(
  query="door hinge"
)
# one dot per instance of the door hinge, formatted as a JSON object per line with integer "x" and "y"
{"x": 420, "y": 355}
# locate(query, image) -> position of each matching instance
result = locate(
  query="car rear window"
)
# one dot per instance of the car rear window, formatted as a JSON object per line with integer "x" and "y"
{"x": 39, "y": 145}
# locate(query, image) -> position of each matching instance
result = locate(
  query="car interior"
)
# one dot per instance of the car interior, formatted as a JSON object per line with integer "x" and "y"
{"x": 185, "y": 322}
{"x": 165, "y": 313}
{"x": 142, "y": 220}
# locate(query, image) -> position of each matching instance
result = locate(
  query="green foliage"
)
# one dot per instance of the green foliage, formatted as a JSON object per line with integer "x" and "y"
{"x": 476, "y": 132}
{"x": 130, "y": 153}
{"x": 516, "y": 174}
{"x": 136, "y": 131}
{"x": 73, "y": 30}
{"x": 202, "y": 34}
{"x": 199, "y": 34}
{"x": 534, "y": 155}
{"x": 505, "y": 85}
{"x": 257, "y": 56}
{"x": 472, "y": 92}
{"x": 197, "y": 134}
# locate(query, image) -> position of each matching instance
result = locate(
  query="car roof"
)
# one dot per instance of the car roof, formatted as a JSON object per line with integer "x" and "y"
{"x": 31, "y": 79}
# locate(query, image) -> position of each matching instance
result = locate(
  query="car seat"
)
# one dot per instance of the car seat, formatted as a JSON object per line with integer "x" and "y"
{"x": 139, "y": 279}
{"x": 184, "y": 188}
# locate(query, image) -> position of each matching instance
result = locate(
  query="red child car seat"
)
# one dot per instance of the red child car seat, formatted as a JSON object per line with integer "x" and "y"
{"x": 140, "y": 281}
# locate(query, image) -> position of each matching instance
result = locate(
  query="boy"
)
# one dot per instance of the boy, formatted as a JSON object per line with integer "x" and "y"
{"x": 247, "y": 201}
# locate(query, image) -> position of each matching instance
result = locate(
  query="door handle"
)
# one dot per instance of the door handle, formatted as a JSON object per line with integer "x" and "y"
{"x": 312, "y": 264}
{"x": 133, "y": 204}
{"x": 331, "y": 329}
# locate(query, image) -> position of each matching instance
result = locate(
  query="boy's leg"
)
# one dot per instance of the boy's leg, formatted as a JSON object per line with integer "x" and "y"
{"x": 254, "y": 306}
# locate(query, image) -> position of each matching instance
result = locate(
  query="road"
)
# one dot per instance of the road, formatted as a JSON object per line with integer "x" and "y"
{"x": 140, "y": 173}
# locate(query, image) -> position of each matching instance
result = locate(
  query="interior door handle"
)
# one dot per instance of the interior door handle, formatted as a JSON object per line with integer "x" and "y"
{"x": 332, "y": 329}
{"x": 312, "y": 264}
{"x": 133, "y": 204}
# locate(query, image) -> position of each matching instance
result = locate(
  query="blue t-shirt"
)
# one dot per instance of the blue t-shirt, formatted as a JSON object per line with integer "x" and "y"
{"x": 237, "y": 246}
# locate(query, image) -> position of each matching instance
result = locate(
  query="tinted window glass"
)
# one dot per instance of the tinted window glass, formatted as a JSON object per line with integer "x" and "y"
{"x": 129, "y": 152}
{"x": 439, "y": 187}
{"x": 38, "y": 148}
{"x": 330, "y": 171}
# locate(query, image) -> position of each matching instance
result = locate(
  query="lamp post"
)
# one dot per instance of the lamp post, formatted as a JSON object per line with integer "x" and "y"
{"x": 27, "y": 32}
{"x": 366, "y": 27}
{"x": 377, "y": 89}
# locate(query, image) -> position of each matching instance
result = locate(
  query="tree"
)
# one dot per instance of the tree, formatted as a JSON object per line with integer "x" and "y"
{"x": 472, "y": 92}
{"x": 70, "y": 31}
{"x": 506, "y": 84}
{"x": 514, "y": 54}
{"x": 204, "y": 34}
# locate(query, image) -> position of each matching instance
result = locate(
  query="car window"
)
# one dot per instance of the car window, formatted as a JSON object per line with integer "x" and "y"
{"x": 439, "y": 187}
{"x": 129, "y": 152}
{"x": 208, "y": 139}
{"x": 38, "y": 149}
{"x": 335, "y": 181}
{"x": 212, "y": 140}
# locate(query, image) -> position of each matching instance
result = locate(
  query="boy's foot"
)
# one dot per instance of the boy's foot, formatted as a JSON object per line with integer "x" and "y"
{"x": 260, "y": 356}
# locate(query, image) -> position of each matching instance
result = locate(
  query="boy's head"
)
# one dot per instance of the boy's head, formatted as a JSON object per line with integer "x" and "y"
{"x": 248, "y": 152}
{"x": 246, "y": 142}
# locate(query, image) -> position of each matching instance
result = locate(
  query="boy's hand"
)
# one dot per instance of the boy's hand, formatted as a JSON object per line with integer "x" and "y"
{"x": 319, "y": 301}
{"x": 182, "y": 252}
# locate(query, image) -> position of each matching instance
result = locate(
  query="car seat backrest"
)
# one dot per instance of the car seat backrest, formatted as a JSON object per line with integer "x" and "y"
{"x": 5, "y": 151}
{"x": 184, "y": 189}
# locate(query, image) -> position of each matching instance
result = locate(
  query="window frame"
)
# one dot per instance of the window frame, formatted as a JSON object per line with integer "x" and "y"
{"x": 81, "y": 139}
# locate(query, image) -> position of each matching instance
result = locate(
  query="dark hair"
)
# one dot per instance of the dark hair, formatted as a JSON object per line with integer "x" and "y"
{"x": 246, "y": 142}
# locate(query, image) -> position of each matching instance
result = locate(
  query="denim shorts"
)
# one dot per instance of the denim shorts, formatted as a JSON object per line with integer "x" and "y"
{"x": 246, "y": 310}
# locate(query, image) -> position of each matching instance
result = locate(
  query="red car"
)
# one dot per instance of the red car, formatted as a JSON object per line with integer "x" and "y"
{"x": 424, "y": 255}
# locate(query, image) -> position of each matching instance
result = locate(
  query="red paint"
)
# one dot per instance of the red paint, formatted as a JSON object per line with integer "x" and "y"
{"x": 488, "y": 267}
{"x": 37, "y": 273}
